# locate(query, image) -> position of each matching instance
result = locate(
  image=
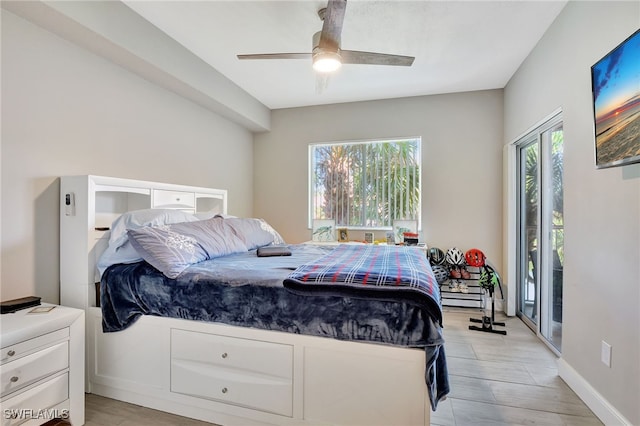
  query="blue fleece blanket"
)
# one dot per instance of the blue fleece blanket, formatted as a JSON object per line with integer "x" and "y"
{"x": 246, "y": 290}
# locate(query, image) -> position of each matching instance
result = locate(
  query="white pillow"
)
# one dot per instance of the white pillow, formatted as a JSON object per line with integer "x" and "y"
{"x": 148, "y": 217}
{"x": 123, "y": 254}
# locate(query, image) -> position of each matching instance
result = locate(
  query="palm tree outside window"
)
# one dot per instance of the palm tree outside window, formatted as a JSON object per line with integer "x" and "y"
{"x": 365, "y": 184}
{"x": 540, "y": 255}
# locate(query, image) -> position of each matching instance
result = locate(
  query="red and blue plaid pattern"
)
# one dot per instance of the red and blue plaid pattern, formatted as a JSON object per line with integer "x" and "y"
{"x": 398, "y": 273}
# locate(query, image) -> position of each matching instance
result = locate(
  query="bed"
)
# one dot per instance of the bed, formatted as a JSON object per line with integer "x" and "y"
{"x": 242, "y": 339}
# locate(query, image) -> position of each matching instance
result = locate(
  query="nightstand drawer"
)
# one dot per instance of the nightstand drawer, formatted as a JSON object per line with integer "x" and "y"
{"x": 36, "y": 401}
{"x": 31, "y": 368}
{"x": 13, "y": 352}
{"x": 173, "y": 199}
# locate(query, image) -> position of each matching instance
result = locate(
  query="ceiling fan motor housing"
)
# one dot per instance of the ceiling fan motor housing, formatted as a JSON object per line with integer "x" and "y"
{"x": 316, "y": 45}
{"x": 325, "y": 59}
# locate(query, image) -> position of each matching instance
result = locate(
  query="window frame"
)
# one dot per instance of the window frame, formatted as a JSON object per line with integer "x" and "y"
{"x": 310, "y": 179}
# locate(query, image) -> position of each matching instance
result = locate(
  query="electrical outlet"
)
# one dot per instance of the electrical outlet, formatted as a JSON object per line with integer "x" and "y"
{"x": 605, "y": 355}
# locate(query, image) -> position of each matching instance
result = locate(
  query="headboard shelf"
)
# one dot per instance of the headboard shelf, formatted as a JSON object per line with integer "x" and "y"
{"x": 209, "y": 202}
{"x": 88, "y": 202}
{"x": 111, "y": 202}
{"x": 127, "y": 189}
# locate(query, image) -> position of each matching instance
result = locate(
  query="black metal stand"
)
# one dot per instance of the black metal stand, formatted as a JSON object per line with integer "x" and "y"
{"x": 488, "y": 322}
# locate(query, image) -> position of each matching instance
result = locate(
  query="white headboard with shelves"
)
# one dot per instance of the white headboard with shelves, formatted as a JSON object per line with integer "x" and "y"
{"x": 88, "y": 206}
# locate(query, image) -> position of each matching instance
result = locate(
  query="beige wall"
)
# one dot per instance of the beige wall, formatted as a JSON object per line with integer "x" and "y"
{"x": 462, "y": 162}
{"x": 66, "y": 111}
{"x": 602, "y": 207}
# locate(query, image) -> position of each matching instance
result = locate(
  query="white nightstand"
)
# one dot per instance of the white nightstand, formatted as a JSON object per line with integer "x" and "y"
{"x": 42, "y": 366}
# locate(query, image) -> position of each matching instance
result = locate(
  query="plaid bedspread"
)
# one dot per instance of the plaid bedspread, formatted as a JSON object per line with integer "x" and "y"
{"x": 398, "y": 273}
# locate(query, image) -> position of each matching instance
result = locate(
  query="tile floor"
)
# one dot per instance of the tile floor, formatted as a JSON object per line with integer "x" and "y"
{"x": 495, "y": 380}
{"x": 100, "y": 411}
{"x": 504, "y": 380}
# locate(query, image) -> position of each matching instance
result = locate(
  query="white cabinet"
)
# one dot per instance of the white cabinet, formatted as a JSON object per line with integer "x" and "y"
{"x": 42, "y": 366}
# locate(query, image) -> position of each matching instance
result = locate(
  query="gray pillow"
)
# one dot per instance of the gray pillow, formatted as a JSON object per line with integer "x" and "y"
{"x": 254, "y": 232}
{"x": 172, "y": 248}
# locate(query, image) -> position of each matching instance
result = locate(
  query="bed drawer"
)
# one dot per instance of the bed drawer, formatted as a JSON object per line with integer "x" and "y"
{"x": 31, "y": 368}
{"x": 243, "y": 372}
{"x": 173, "y": 199}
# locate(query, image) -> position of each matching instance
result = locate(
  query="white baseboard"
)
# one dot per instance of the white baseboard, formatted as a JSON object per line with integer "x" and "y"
{"x": 606, "y": 412}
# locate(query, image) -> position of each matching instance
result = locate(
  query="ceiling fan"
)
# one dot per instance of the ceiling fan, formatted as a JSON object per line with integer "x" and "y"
{"x": 327, "y": 56}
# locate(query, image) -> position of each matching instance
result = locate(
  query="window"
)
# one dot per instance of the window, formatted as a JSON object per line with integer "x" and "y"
{"x": 365, "y": 184}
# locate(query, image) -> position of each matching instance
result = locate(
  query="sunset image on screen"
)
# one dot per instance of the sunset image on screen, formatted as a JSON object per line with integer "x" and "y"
{"x": 616, "y": 94}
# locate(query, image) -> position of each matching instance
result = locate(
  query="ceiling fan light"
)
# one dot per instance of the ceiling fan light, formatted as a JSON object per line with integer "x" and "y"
{"x": 326, "y": 62}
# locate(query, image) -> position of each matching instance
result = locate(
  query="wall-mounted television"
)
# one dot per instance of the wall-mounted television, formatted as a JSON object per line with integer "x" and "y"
{"x": 615, "y": 85}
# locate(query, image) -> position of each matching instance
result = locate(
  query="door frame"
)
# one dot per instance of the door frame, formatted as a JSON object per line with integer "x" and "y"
{"x": 511, "y": 223}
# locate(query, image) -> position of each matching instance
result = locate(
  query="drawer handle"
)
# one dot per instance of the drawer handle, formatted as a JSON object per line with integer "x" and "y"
{"x": 224, "y": 355}
{"x": 11, "y": 352}
{"x": 177, "y": 198}
{"x": 14, "y": 379}
{"x": 225, "y": 390}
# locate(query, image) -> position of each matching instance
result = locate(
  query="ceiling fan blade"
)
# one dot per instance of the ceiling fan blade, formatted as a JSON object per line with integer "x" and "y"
{"x": 276, "y": 56}
{"x": 332, "y": 25}
{"x": 370, "y": 58}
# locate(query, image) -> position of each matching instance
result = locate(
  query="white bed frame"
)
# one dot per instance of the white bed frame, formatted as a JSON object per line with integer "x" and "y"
{"x": 215, "y": 372}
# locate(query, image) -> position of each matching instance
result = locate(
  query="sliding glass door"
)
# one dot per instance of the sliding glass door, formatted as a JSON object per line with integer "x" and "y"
{"x": 541, "y": 230}
{"x": 529, "y": 229}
